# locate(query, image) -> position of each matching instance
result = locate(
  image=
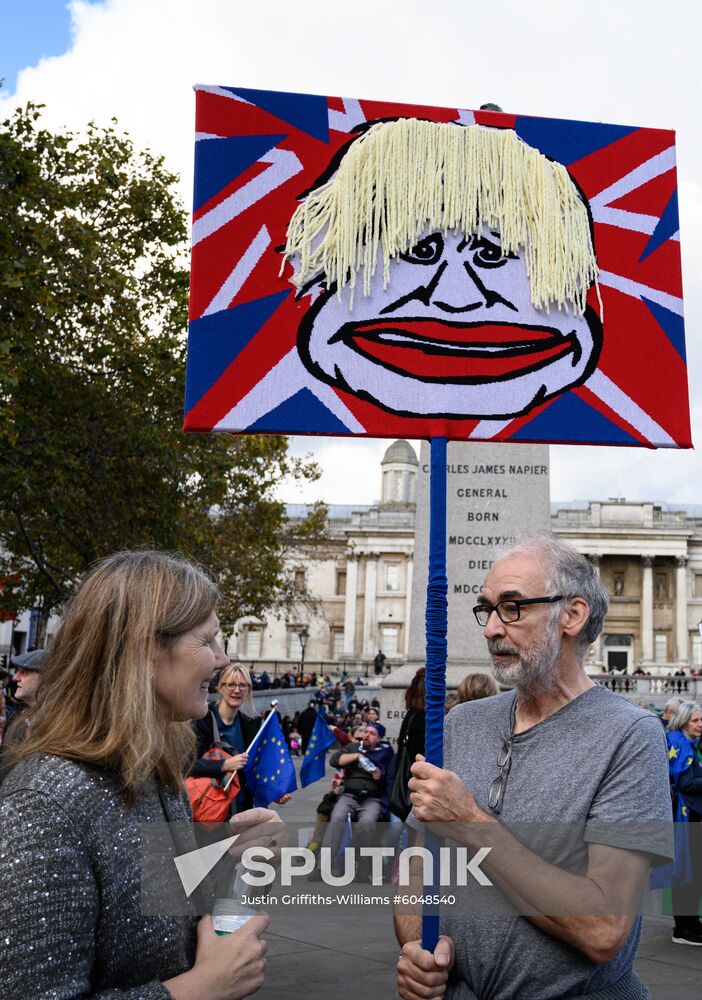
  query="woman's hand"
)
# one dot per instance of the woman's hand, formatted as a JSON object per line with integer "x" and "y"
{"x": 227, "y": 967}
{"x": 258, "y": 828}
{"x": 236, "y": 762}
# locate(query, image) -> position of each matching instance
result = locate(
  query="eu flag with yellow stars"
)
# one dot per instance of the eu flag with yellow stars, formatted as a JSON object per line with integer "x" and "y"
{"x": 315, "y": 755}
{"x": 270, "y": 771}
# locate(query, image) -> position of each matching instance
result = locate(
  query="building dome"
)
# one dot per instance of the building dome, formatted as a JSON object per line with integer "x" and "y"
{"x": 399, "y": 470}
{"x": 400, "y": 453}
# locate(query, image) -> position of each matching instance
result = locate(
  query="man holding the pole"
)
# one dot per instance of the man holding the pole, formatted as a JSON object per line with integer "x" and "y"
{"x": 557, "y": 751}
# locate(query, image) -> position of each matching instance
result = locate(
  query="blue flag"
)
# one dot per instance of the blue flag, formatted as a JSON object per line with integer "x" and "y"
{"x": 679, "y": 872}
{"x": 270, "y": 771}
{"x": 315, "y": 755}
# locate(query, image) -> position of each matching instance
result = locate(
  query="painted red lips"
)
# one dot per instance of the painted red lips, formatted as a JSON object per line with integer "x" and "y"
{"x": 439, "y": 350}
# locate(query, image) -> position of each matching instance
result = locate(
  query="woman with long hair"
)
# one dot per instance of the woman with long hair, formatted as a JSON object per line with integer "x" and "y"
{"x": 105, "y": 753}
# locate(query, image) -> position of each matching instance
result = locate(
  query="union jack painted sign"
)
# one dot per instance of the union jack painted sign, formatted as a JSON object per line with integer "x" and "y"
{"x": 446, "y": 338}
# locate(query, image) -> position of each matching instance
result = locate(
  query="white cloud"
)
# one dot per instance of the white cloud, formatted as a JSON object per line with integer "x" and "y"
{"x": 634, "y": 62}
{"x": 350, "y": 469}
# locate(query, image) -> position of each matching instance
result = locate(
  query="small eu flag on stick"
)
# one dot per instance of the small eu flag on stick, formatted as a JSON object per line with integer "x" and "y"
{"x": 315, "y": 755}
{"x": 270, "y": 771}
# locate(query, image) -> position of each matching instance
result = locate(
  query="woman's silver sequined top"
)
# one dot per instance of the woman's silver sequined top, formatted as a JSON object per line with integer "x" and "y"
{"x": 70, "y": 918}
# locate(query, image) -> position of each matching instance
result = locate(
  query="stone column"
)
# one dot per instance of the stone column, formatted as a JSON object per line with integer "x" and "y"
{"x": 350, "y": 607}
{"x": 597, "y": 653}
{"x": 369, "y": 616}
{"x": 647, "y": 610}
{"x": 681, "y": 610}
{"x": 408, "y": 598}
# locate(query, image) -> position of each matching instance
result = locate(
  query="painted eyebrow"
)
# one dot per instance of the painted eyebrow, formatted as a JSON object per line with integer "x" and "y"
{"x": 466, "y": 240}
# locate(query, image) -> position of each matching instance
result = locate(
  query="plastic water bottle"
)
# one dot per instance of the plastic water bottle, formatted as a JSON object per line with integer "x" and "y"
{"x": 364, "y": 761}
{"x": 229, "y": 913}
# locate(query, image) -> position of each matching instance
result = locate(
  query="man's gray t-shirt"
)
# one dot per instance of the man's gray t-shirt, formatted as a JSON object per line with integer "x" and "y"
{"x": 599, "y": 764}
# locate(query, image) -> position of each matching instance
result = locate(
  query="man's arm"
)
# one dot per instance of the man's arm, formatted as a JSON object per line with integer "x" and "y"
{"x": 345, "y": 757}
{"x": 593, "y": 912}
{"x": 597, "y": 910}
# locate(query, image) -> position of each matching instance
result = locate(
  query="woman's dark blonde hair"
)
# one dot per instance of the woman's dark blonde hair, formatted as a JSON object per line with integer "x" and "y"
{"x": 475, "y": 686}
{"x": 97, "y": 703}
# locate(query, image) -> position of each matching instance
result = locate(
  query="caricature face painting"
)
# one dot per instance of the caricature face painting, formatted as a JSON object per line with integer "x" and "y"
{"x": 366, "y": 268}
{"x": 455, "y": 333}
{"x": 476, "y": 314}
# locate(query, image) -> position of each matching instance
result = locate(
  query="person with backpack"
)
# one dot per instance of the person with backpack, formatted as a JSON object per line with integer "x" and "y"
{"x": 226, "y": 727}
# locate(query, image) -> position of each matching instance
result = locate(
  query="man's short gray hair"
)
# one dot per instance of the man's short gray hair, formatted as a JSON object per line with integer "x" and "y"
{"x": 571, "y": 574}
{"x": 682, "y": 716}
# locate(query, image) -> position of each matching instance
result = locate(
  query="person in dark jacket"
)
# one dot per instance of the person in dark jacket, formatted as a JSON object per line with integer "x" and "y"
{"x": 236, "y": 731}
{"x": 410, "y": 742}
{"x": 27, "y": 680}
{"x": 305, "y": 724}
{"x": 366, "y": 764}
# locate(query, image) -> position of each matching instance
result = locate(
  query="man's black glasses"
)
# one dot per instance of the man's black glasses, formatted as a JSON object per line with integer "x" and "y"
{"x": 509, "y": 611}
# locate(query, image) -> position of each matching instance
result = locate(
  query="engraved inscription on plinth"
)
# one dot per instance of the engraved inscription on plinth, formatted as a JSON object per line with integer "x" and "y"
{"x": 496, "y": 494}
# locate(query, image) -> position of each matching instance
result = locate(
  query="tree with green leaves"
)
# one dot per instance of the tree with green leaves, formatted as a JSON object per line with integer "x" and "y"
{"x": 93, "y": 316}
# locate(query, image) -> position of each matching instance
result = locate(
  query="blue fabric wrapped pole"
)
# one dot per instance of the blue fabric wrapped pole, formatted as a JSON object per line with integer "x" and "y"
{"x": 436, "y": 650}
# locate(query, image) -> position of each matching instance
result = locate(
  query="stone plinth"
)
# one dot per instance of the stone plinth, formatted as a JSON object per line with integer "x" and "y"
{"x": 496, "y": 494}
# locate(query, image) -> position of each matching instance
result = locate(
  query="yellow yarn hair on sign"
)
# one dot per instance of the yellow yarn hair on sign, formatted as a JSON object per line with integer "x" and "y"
{"x": 403, "y": 177}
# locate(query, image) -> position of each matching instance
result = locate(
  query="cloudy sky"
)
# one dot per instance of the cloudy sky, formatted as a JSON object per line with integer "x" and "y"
{"x": 633, "y": 62}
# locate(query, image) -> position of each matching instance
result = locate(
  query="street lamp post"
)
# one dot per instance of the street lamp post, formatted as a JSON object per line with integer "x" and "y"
{"x": 303, "y": 635}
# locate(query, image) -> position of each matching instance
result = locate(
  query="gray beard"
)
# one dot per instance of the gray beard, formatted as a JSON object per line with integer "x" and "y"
{"x": 536, "y": 671}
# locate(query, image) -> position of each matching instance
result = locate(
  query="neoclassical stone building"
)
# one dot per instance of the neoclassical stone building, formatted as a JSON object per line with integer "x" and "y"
{"x": 363, "y": 585}
{"x": 648, "y": 554}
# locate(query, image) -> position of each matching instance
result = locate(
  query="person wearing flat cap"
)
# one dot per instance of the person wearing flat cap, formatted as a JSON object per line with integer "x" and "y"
{"x": 28, "y": 675}
{"x": 27, "y": 680}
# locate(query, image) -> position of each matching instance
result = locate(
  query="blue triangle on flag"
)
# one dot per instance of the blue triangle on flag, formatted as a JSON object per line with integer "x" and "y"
{"x": 671, "y": 324}
{"x": 667, "y": 226}
{"x": 307, "y": 112}
{"x": 215, "y": 341}
{"x": 568, "y": 141}
{"x": 220, "y": 161}
{"x": 300, "y": 414}
{"x": 570, "y": 418}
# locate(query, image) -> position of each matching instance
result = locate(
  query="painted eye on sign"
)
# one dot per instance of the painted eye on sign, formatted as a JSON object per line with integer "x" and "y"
{"x": 375, "y": 269}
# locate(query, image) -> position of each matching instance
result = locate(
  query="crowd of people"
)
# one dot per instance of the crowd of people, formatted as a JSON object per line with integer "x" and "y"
{"x": 287, "y": 680}
{"x": 94, "y": 745}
